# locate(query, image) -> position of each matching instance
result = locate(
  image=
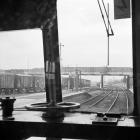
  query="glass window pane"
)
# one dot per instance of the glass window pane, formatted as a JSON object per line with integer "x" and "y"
{"x": 95, "y": 68}
{"x": 21, "y": 66}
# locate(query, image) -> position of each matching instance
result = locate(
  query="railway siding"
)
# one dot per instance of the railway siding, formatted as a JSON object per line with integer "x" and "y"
{"x": 116, "y": 101}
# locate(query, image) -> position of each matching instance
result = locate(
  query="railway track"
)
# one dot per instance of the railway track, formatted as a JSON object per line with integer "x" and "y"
{"x": 108, "y": 101}
{"x": 113, "y": 103}
{"x": 127, "y": 100}
{"x": 102, "y": 98}
{"x": 90, "y": 99}
{"x": 112, "y": 100}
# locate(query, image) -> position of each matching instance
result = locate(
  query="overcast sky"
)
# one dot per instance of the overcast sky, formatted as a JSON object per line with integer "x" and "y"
{"x": 81, "y": 31}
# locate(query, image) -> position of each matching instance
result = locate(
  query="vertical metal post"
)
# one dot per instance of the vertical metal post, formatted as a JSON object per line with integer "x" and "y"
{"x": 136, "y": 52}
{"x": 128, "y": 82}
{"x": 102, "y": 81}
{"x": 51, "y": 58}
{"x": 76, "y": 80}
{"x": 69, "y": 83}
{"x": 80, "y": 80}
{"x": 60, "y": 51}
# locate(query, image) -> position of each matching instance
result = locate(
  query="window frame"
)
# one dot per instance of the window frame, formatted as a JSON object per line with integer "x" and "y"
{"x": 136, "y": 57}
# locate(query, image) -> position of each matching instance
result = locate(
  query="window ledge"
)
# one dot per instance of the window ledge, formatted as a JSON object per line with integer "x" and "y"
{"x": 74, "y": 125}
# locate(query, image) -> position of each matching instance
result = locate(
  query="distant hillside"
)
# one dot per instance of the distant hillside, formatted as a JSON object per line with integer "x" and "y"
{"x": 23, "y": 71}
{"x": 2, "y": 71}
{"x": 70, "y": 69}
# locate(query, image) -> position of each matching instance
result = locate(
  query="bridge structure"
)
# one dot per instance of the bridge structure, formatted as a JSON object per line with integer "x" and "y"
{"x": 127, "y": 72}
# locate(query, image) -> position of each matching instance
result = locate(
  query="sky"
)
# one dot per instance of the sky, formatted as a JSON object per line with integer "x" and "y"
{"x": 83, "y": 35}
{"x": 21, "y": 49}
{"x": 81, "y": 31}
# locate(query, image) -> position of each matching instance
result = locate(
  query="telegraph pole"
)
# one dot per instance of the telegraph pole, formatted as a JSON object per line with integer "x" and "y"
{"x": 108, "y": 36}
{"x": 60, "y": 53}
{"x": 60, "y": 49}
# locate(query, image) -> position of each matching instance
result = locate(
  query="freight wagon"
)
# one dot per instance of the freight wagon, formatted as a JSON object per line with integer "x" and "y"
{"x": 23, "y": 83}
{"x": 20, "y": 83}
{"x": 85, "y": 83}
{"x": 69, "y": 82}
{"x": 7, "y": 82}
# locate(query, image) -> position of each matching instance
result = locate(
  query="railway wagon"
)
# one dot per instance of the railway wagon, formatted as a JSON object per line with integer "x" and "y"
{"x": 24, "y": 83}
{"x": 69, "y": 82}
{"x": 39, "y": 83}
{"x": 7, "y": 82}
{"x": 29, "y": 83}
{"x": 85, "y": 83}
{"x": 64, "y": 82}
{"x": 21, "y": 83}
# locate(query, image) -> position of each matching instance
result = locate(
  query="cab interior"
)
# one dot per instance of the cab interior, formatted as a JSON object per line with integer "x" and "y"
{"x": 18, "y": 15}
